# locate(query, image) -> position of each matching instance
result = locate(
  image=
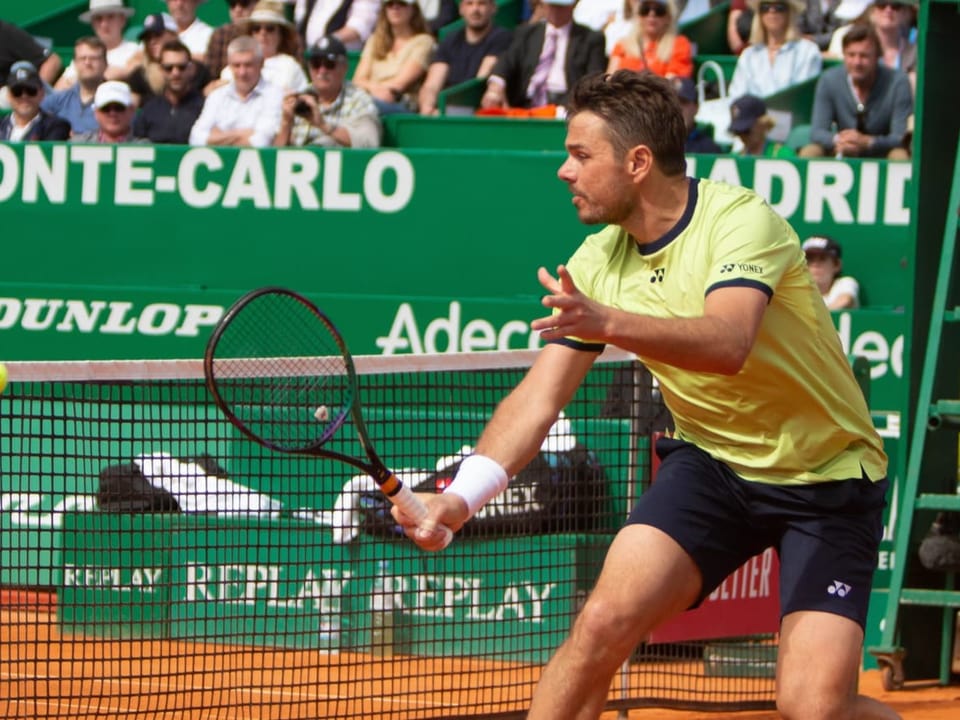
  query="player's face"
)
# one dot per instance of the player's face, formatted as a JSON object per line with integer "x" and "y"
{"x": 477, "y": 14}
{"x": 596, "y": 176}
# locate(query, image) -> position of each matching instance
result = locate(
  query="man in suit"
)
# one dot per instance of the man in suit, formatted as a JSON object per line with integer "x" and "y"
{"x": 545, "y": 60}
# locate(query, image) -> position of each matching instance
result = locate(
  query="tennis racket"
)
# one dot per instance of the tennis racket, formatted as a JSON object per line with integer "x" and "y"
{"x": 281, "y": 373}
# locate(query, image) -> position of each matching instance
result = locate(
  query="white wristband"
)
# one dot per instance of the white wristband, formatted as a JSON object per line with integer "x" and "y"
{"x": 478, "y": 481}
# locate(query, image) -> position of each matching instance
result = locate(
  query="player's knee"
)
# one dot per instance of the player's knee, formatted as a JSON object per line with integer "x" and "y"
{"x": 604, "y": 625}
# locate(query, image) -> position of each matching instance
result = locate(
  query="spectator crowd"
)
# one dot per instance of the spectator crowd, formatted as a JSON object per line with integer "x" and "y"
{"x": 282, "y": 73}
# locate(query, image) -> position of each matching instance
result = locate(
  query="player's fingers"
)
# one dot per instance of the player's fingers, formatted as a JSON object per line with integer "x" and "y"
{"x": 547, "y": 280}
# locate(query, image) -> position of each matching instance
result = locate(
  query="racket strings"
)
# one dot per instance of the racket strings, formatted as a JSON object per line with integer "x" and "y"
{"x": 279, "y": 369}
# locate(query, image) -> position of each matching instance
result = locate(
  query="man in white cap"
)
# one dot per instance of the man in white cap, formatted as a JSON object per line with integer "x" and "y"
{"x": 193, "y": 32}
{"x": 114, "y": 109}
{"x": 545, "y": 60}
{"x": 108, "y": 18}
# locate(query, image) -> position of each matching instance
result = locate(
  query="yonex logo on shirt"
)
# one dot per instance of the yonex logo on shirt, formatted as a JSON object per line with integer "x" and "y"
{"x": 840, "y": 589}
{"x": 743, "y": 267}
{"x": 657, "y": 276}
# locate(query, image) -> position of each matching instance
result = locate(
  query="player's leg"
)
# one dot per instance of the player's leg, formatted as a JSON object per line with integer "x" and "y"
{"x": 685, "y": 535}
{"x": 818, "y": 669}
{"x": 828, "y": 554}
{"x": 646, "y": 578}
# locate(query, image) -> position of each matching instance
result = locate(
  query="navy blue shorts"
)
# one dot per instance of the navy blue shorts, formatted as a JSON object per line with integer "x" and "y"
{"x": 826, "y": 534}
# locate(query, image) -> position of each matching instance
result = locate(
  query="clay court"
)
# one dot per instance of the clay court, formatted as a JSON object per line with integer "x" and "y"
{"x": 49, "y": 675}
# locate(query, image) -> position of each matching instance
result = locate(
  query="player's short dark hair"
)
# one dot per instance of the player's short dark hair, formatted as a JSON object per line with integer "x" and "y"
{"x": 859, "y": 32}
{"x": 639, "y": 109}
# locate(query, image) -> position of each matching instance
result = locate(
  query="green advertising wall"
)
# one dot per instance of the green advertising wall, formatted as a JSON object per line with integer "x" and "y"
{"x": 134, "y": 252}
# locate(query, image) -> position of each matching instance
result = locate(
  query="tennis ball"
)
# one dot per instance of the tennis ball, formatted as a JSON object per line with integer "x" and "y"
{"x": 3, "y": 377}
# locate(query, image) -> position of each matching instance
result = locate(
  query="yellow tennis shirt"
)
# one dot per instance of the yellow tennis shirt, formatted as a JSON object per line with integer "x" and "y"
{"x": 794, "y": 414}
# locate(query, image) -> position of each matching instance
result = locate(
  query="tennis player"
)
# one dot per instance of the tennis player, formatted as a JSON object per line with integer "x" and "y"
{"x": 773, "y": 444}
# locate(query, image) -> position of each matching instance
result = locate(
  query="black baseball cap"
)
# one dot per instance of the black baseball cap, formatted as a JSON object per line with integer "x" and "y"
{"x": 24, "y": 74}
{"x": 329, "y": 46}
{"x": 744, "y": 113}
{"x": 157, "y": 24}
{"x": 822, "y": 245}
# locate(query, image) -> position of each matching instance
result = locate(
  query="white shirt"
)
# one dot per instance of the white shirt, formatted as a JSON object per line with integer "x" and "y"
{"x": 17, "y": 133}
{"x": 226, "y": 110}
{"x": 361, "y": 17}
{"x": 118, "y": 57}
{"x": 595, "y": 14}
{"x": 843, "y": 285}
{"x": 796, "y": 61}
{"x": 197, "y": 37}
{"x": 281, "y": 70}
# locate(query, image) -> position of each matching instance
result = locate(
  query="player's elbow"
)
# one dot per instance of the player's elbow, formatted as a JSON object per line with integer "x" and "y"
{"x": 732, "y": 359}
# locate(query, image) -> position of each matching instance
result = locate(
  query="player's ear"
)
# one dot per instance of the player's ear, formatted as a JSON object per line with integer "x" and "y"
{"x": 639, "y": 161}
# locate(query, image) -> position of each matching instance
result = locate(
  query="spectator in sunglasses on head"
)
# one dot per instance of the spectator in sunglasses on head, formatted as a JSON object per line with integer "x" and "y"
{"x": 653, "y": 43}
{"x": 27, "y": 122}
{"x": 777, "y": 56}
{"x": 333, "y": 112}
{"x": 169, "y": 116}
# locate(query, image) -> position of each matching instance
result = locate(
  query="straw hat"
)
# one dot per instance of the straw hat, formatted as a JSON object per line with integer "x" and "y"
{"x": 268, "y": 12}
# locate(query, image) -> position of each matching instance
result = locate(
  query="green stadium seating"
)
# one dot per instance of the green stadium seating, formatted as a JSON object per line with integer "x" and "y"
{"x": 473, "y": 132}
{"x": 462, "y": 98}
{"x": 709, "y": 31}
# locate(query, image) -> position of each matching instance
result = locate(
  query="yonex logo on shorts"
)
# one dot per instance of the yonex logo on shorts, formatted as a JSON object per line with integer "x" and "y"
{"x": 839, "y": 589}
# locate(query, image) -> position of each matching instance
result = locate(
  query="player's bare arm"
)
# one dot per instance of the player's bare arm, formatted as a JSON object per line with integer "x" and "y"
{"x": 717, "y": 342}
{"x": 512, "y": 437}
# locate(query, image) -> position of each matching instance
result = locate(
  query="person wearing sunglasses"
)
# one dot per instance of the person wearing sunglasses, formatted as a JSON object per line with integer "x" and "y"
{"x": 108, "y": 18}
{"x": 168, "y": 117}
{"x": 777, "y": 56}
{"x": 223, "y": 34}
{"x": 149, "y": 80}
{"x": 653, "y": 42}
{"x": 333, "y": 112}
{"x": 860, "y": 108}
{"x": 394, "y": 60}
{"x": 26, "y": 121}
{"x": 114, "y": 107}
{"x": 280, "y": 45}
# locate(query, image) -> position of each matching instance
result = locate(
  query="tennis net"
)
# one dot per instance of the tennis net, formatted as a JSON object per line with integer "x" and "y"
{"x": 155, "y": 563}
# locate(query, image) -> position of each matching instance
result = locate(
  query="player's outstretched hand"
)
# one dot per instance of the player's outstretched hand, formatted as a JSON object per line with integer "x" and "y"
{"x": 445, "y": 515}
{"x": 577, "y": 315}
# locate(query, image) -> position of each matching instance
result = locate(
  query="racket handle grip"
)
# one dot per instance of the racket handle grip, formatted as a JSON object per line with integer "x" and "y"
{"x": 412, "y": 506}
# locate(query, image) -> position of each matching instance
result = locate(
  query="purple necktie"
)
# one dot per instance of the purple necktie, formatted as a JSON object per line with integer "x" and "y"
{"x": 537, "y": 89}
